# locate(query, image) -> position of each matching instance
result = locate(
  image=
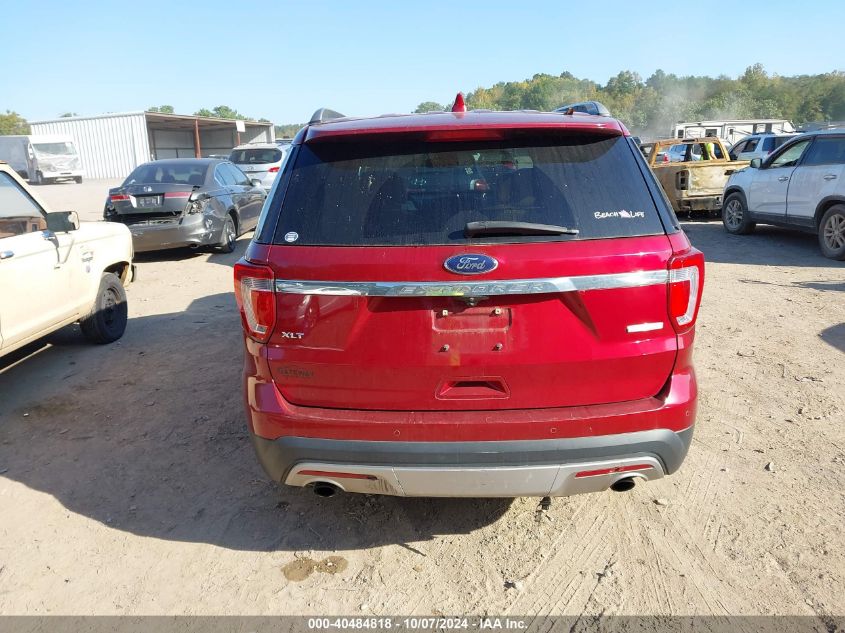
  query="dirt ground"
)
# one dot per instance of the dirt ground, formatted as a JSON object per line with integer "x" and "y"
{"x": 128, "y": 484}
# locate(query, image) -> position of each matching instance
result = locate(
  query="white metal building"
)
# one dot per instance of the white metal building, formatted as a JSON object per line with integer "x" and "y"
{"x": 112, "y": 145}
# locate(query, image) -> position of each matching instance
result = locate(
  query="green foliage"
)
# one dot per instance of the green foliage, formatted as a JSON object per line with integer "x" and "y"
{"x": 165, "y": 109}
{"x": 652, "y": 106}
{"x": 288, "y": 131}
{"x": 224, "y": 112}
{"x": 67, "y": 115}
{"x": 429, "y": 106}
{"x": 13, "y": 123}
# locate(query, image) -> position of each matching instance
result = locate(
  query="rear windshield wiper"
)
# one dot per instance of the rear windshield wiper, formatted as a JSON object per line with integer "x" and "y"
{"x": 479, "y": 229}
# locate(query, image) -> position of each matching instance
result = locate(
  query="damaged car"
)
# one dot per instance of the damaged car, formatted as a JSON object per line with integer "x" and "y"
{"x": 692, "y": 172}
{"x": 182, "y": 202}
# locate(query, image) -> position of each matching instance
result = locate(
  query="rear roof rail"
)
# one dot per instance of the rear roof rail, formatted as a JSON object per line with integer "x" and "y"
{"x": 324, "y": 114}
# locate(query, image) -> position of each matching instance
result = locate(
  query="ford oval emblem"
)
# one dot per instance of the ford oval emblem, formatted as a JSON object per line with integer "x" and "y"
{"x": 470, "y": 264}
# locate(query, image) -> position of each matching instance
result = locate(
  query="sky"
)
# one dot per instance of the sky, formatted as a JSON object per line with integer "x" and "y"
{"x": 282, "y": 60}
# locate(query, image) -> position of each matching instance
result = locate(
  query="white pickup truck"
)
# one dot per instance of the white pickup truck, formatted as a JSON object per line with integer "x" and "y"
{"x": 54, "y": 271}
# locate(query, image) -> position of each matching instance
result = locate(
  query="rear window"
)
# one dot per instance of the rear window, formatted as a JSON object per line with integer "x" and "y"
{"x": 255, "y": 156}
{"x": 183, "y": 174}
{"x": 416, "y": 194}
{"x": 826, "y": 151}
{"x": 778, "y": 141}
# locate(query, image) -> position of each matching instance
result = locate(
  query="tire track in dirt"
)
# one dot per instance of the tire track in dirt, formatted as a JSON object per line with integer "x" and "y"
{"x": 570, "y": 560}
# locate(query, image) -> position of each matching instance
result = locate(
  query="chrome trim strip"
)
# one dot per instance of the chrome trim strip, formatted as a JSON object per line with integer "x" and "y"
{"x": 473, "y": 288}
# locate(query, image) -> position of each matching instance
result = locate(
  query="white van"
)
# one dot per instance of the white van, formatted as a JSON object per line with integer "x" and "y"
{"x": 42, "y": 158}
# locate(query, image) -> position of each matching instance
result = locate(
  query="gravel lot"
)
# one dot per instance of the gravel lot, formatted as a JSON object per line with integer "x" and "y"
{"x": 128, "y": 485}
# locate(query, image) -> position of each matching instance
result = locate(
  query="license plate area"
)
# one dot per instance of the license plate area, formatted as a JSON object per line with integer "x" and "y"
{"x": 459, "y": 318}
{"x": 145, "y": 202}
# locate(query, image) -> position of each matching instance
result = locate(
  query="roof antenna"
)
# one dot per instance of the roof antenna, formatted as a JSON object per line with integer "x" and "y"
{"x": 459, "y": 106}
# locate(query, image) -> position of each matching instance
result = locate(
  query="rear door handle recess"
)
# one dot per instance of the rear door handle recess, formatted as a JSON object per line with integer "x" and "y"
{"x": 830, "y": 177}
{"x": 783, "y": 178}
{"x": 7, "y": 254}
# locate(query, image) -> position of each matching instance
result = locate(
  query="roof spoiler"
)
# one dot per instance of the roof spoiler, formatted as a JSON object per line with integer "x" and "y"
{"x": 324, "y": 114}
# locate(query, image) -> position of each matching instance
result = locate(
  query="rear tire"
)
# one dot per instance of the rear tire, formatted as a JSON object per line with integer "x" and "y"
{"x": 228, "y": 235}
{"x": 735, "y": 217}
{"x": 78, "y": 180}
{"x": 107, "y": 320}
{"x": 832, "y": 232}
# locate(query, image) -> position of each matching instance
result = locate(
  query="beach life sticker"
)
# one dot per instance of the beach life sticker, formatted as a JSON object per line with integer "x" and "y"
{"x": 624, "y": 213}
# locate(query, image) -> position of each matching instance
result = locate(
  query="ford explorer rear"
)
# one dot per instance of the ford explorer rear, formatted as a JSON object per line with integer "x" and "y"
{"x": 469, "y": 304}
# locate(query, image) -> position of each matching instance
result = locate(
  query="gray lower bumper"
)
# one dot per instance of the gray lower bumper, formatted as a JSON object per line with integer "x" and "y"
{"x": 279, "y": 456}
{"x": 195, "y": 230}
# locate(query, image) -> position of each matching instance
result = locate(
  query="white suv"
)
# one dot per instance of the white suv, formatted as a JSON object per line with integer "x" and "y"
{"x": 260, "y": 161}
{"x": 54, "y": 271}
{"x": 758, "y": 145}
{"x": 801, "y": 185}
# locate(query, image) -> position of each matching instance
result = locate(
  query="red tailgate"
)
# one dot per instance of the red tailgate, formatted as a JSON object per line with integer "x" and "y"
{"x": 608, "y": 340}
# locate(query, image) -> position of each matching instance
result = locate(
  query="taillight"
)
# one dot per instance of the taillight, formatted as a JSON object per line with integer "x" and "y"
{"x": 196, "y": 206}
{"x": 273, "y": 170}
{"x": 177, "y": 194}
{"x": 686, "y": 282}
{"x": 118, "y": 198}
{"x": 256, "y": 299}
{"x": 682, "y": 180}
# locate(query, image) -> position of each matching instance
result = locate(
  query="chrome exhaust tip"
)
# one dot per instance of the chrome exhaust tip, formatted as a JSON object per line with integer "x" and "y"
{"x": 325, "y": 489}
{"x": 623, "y": 485}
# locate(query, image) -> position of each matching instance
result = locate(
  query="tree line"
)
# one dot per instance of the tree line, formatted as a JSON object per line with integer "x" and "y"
{"x": 652, "y": 106}
{"x": 648, "y": 107}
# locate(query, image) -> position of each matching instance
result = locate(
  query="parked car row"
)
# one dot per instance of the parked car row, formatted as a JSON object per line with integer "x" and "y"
{"x": 399, "y": 273}
{"x": 793, "y": 180}
{"x": 519, "y": 220}
{"x": 81, "y": 269}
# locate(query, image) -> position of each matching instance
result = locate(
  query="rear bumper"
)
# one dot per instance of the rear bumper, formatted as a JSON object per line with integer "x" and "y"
{"x": 700, "y": 203}
{"x": 508, "y": 452}
{"x": 64, "y": 173}
{"x": 193, "y": 230}
{"x": 558, "y": 467}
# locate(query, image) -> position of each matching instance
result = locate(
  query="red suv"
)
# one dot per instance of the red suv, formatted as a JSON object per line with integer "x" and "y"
{"x": 468, "y": 304}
